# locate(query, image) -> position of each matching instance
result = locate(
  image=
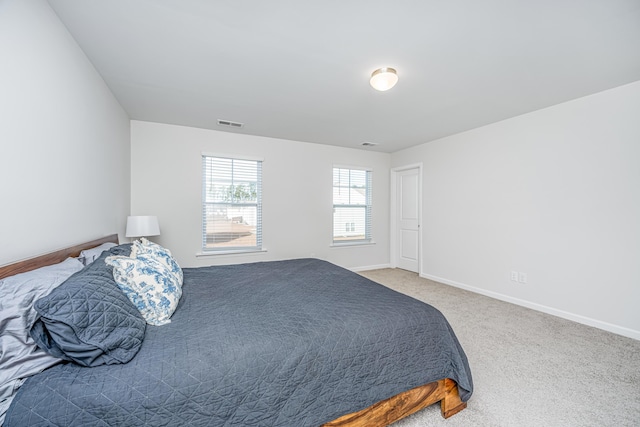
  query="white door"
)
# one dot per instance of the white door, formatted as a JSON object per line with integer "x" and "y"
{"x": 408, "y": 215}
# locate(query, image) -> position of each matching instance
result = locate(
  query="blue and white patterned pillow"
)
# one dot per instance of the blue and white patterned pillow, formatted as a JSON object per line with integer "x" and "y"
{"x": 162, "y": 254}
{"x": 149, "y": 284}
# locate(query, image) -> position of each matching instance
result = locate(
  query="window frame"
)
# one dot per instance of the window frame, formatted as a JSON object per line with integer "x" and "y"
{"x": 367, "y": 206}
{"x": 258, "y": 247}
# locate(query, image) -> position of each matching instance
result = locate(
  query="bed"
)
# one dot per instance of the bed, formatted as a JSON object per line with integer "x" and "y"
{"x": 283, "y": 343}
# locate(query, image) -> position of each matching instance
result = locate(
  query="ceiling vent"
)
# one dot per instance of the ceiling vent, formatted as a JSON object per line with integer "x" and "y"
{"x": 229, "y": 123}
{"x": 368, "y": 144}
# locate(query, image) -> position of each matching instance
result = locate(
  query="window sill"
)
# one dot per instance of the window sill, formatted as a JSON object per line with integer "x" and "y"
{"x": 230, "y": 252}
{"x": 347, "y": 244}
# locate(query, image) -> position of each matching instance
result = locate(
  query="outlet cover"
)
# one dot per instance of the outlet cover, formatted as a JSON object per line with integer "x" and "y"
{"x": 514, "y": 276}
{"x": 522, "y": 277}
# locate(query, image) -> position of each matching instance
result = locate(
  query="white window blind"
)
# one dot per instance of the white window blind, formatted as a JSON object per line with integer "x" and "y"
{"x": 231, "y": 204}
{"x": 351, "y": 205}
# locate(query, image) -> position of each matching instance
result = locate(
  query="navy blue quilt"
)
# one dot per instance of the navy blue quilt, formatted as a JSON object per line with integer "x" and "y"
{"x": 285, "y": 343}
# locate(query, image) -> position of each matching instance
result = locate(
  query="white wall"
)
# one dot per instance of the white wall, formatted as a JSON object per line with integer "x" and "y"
{"x": 297, "y": 193}
{"x": 554, "y": 194}
{"x": 64, "y": 139}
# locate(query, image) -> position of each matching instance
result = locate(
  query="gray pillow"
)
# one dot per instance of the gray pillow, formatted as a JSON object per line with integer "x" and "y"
{"x": 87, "y": 256}
{"x": 20, "y": 357}
{"x": 88, "y": 320}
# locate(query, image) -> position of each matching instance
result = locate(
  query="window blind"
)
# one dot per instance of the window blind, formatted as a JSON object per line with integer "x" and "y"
{"x": 351, "y": 205}
{"x": 231, "y": 204}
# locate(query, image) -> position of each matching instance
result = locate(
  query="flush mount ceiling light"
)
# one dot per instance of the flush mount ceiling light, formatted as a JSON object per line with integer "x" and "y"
{"x": 384, "y": 78}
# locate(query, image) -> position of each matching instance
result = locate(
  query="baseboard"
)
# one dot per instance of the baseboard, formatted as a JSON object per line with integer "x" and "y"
{"x": 616, "y": 329}
{"x": 370, "y": 267}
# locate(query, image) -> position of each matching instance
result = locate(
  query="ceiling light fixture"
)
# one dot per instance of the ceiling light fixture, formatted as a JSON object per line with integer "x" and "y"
{"x": 384, "y": 78}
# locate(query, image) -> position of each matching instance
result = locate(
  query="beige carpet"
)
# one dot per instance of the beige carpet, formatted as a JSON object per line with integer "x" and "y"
{"x": 529, "y": 368}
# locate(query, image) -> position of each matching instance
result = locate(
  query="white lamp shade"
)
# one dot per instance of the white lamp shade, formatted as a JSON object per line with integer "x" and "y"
{"x": 142, "y": 226}
{"x": 384, "y": 78}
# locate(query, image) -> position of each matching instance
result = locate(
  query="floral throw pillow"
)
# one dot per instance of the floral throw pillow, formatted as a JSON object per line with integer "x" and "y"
{"x": 144, "y": 247}
{"x": 149, "y": 284}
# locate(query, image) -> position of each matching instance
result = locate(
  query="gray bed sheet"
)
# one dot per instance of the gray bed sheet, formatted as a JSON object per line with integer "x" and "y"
{"x": 284, "y": 343}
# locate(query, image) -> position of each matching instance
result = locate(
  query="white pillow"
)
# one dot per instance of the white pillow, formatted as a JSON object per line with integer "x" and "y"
{"x": 149, "y": 284}
{"x": 144, "y": 247}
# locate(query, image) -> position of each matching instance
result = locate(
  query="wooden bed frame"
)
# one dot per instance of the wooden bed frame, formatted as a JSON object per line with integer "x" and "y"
{"x": 53, "y": 257}
{"x": 380, "y": 414}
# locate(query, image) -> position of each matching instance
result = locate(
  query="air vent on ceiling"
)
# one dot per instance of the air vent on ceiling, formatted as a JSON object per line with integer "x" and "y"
{"x": 369, "y": 144}
{"x": 229, "y": 123}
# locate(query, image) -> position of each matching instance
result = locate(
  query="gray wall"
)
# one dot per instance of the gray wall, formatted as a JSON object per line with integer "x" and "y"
{"x": 64, "y": 139}
{"x": 554, "y": 194}
{"x": 166, "y": 181}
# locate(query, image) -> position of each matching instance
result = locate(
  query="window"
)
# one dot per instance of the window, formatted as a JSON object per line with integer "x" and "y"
{"x": 231, "y": 204}
{"x": 351, "y": 205}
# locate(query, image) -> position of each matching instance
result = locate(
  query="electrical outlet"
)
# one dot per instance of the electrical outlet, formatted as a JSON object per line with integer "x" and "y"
{"x": 522, "y": 277}
{"x": 514, "y": 276}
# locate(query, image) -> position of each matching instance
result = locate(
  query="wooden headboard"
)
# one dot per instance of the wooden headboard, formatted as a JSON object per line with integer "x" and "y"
{"x": 53, "y": 257}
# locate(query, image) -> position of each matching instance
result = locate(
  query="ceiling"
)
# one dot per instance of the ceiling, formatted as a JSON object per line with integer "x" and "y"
{"x": 299, "y": 70}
